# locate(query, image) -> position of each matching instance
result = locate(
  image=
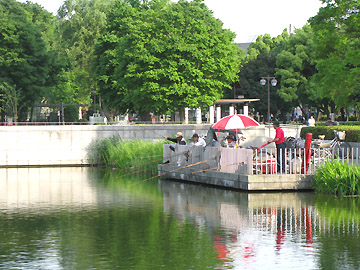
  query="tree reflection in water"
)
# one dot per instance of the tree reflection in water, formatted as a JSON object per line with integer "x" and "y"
{"x": 85, "y": 218}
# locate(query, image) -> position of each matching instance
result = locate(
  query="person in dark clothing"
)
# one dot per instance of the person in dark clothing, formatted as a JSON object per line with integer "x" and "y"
{"x": 329, "y": 122}
{"x": 234, "y": 134}
{"x": 231, "y": 143}
{"x": 179, "y": 139}
{"x": 211, "y": 138}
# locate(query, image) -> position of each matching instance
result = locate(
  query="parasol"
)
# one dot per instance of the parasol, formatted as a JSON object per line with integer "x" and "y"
{"x": 235, "y": 123}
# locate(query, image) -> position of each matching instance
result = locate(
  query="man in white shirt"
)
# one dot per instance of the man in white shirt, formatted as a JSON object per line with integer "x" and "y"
{"x": 197, "y": 141}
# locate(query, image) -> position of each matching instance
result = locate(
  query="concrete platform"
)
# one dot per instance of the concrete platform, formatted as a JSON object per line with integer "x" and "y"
{"x": 237, "y": 181}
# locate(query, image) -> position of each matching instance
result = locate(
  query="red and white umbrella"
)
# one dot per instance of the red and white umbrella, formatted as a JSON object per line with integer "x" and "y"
{"x": 235, "y": 122}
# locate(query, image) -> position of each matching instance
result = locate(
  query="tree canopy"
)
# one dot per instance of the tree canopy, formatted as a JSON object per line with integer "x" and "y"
{"x": 79, "y": 24}
{"x": 337, "y": 42}
{"x": 162, "y": 56}
{"x": 24, "y": 61}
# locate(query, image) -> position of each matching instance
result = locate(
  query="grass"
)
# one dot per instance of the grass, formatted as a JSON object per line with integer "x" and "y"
{"x": 338, "y": 178}
{"x": 129, "y": 154}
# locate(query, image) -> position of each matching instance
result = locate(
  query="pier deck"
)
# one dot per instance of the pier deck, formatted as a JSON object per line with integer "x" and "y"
{"x": 237, "y": 181}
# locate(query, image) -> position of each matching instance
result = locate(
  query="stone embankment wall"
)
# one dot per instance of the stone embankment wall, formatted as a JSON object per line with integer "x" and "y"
{"x": 72, "y": 145}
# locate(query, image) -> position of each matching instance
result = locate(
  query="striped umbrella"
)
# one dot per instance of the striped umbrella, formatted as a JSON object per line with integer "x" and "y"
{"x": 234, "y": 122}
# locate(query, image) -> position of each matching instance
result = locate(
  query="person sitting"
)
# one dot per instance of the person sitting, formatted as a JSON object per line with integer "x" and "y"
{"x": 329, "y": 122}
{"x": 231, "y": 143}
{"x": 311, "y": 121}
{"x": 179, "y": 139}
{"x": 197, "y": 141}
{"x": 234, "y": 134}
{"x": 211, "y": 138}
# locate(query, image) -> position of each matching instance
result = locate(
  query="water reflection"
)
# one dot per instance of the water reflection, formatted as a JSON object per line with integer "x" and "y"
{"x": 44, "y": 188}
{"x": 279, "y": 230}
{"x": 84, "y": 218}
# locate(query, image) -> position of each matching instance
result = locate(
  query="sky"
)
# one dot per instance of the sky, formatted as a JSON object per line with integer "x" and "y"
{"x": 247, "y": 18}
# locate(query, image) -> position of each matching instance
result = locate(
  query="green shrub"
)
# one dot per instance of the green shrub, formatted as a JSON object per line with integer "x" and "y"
{"x": 71, "y": 113}
{"x": 129, "y": 154}
{"x": 352, "y": 132}
{"x": 350, "y": 123}
{"x": 337, "y": 178}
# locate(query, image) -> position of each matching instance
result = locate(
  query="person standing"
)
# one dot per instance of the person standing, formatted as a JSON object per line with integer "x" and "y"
{"x": 179, "y": 139}
{"x": 280, "y": 146}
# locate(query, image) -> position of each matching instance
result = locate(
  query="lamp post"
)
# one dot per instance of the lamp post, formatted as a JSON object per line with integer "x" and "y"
{"x": 273, "y": 83}
{"x": 94, "y": 92}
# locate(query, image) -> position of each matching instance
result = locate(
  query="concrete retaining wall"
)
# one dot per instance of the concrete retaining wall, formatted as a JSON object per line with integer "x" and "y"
{"x": 72, "y": 145}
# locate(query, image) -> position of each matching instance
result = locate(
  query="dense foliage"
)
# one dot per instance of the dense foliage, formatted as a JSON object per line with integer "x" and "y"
{"x": 159, "y": 56}
{"x": 352, "y": 132}
{"x": 79, "y": 24}
{"x": 338, "y": 178}
{"x": 259, "y": 62}
{"x": 24, "y": 59}
{"x": 337, "y": 48}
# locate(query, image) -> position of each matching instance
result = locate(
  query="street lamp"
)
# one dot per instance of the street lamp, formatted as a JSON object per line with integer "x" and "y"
{"x": 273, "y": 83}
{"x": 94, "y": 92}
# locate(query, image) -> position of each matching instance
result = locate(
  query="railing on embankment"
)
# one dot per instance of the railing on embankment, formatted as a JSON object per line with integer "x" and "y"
{"x": 252, "y": 162}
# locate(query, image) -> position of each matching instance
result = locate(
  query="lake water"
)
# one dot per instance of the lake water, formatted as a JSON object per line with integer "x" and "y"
{"x": 88, "y": 218}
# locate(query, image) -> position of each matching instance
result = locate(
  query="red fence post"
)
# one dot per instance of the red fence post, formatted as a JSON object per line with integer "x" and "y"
{"x": 307, "y": 152}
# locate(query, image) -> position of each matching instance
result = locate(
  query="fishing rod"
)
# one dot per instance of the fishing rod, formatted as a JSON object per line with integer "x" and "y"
{"x": 142, "y": 170}
{"x": 133, "y": 167}
{"x": 150, "y": 156}
{"x": 187, "y": 166}
{"x": 156, "y": 160}
{"x": 214, "y": 168}
{"x": 258, "y": 148}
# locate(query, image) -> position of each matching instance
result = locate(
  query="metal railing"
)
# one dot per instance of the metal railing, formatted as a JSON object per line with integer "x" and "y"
{"x": 41, "y": 123}
{"x": 296, "y": 161}
{"x": 254, "y": 162}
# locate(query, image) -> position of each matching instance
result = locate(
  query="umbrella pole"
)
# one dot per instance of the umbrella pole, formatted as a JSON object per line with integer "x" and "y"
{"x": 237, "y": 140}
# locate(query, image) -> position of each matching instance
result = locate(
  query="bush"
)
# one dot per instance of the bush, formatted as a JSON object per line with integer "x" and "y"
{"x": 352, "y": 132}
{"x": 71, "y": 113}
{"x": 129, "y": 154}
{"x": 337, "y": 178}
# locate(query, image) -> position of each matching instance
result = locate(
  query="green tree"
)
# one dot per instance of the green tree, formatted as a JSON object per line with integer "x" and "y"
{"x": 24, "y": 62}
{"x": 79, "y": 24}
{"x": 261, "y": 62}
{"x": 337, "y": 42}
{"x": 160, "y": 56}
{"x": 56, "y": 90}
{"x": 10, "y": 99}
{"x": 295, "y": 67}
